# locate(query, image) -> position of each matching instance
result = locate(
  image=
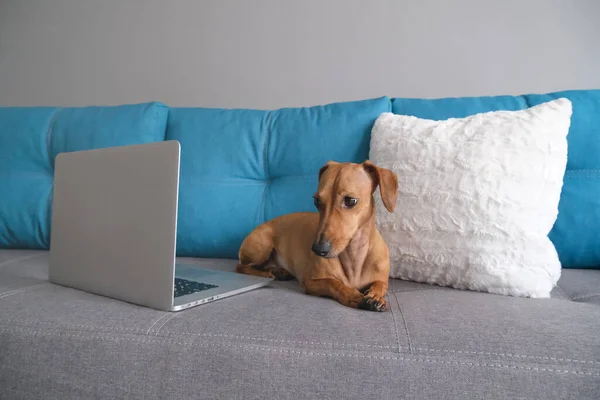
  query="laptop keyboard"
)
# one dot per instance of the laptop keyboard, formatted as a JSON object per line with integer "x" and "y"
{"x": 184, "y": 287}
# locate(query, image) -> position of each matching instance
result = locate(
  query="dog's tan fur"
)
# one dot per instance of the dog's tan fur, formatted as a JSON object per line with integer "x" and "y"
{"x": 356, "y": 271}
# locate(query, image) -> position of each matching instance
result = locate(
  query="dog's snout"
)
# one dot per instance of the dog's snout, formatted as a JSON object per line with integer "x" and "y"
{"x": 321, "y": 248}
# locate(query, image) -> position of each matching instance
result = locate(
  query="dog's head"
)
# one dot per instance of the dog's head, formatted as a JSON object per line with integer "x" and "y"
{"x": 345, "y": 202}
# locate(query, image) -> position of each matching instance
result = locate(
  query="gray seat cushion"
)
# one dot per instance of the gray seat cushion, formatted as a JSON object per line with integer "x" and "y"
{"x": 277, "y": 342}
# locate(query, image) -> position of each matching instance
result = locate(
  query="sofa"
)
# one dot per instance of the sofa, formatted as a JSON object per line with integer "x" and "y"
{"x": 239, "y": 168}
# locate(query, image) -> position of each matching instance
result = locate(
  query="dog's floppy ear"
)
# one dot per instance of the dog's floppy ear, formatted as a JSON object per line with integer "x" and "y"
{"x": 387, "y": 181}
{"x": 324, "y": 167}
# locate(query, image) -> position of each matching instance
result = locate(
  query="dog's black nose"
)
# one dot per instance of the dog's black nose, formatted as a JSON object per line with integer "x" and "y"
{"x": 322, "y": 248}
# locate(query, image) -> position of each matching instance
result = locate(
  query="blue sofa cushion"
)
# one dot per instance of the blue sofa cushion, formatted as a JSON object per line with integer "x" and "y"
{"x": 240, "y": 168}
{"x": 30, "y": 139}
{"x": 84, "y": 128}
{"x": 25, "y": 176}
{"x": 243, "y": 167}
{"x": 575, "y": 232}
{"x": 222, "y": 177}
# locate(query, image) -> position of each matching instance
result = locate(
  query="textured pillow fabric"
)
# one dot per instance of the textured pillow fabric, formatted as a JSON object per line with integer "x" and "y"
{"x": 575, "y": 231}
{"x": 477, "y": 197}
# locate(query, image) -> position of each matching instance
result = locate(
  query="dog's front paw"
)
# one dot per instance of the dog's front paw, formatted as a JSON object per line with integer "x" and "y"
{"x": 371, "y": 303}
{"x": 281, "y": 274}
{"x": 277, "y": 273}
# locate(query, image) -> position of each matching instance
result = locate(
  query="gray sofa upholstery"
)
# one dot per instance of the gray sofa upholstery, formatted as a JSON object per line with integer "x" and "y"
{"x": 278, "y": 343}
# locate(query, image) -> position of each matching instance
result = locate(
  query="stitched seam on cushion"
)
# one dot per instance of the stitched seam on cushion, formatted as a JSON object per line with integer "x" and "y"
{"x": 232, "y": 182}
{"x": 49, "y": 137}
{"x": 583, "y": 170}
{"x": 157, "y": 107}
{"x": 410, "y": 349}
{"x": 51, "y": 163}
{"x": 395, "y": 326}
{"x": 155, "y": 322}
{"x": 28, "y": 175}
{"x": 263, "y": 205}
{"x": 484, "y": 353}
{"x": 583, "y": 174}
{"x": 27, "y": 257}
{"x": 401, "y": 347}
{"x": 134, "y": 330}
{"x": 305, "y": 178}
{"x": 245, "y": 182}
{"x": 527, "y": 102}
{"x": 586, "y": 297}
{"x": 422, "y": 290}
{"x": 310, "y": 353}
{"x": 260, "y": 218}
{"x": 564, "y": 292}
{"x": 164, "y": 136}
{"x": 11, "y": 292}
{"x": 227, "y": 336}
{"x": 267, "y": 169}
{"x": 164, "y": 323}
{"x": 49, "y": 211}
{"x": 267, "y": 144}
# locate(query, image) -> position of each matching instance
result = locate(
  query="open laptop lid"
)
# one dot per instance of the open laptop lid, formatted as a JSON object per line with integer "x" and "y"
{"x": 114, "y": 222}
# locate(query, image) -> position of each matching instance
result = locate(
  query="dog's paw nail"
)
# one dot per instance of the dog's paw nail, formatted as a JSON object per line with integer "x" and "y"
{"x": 363, "y": 305}
{"x": 369, "y": 303}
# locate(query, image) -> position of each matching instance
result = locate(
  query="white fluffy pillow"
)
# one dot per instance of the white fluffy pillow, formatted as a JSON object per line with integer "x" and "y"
{"x": 477, "y": 197}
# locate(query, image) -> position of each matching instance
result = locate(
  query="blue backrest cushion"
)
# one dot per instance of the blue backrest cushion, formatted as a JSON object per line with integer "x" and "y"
{"x": 31, "y": 138}
{"x": 575, "y": 233}
{"x": 302, "y": 140}
{"x": 83, "y": 128}
{"x": 222, "y": 177}
{"x": 25, "y": 176}
{"x": 240, "y": 168}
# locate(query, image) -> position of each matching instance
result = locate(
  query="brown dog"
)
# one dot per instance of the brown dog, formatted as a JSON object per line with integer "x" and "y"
{"x": 338, "y": 252}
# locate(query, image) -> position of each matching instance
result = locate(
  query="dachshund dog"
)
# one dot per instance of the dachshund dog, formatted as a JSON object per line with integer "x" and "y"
{"x": 337, "y": 252}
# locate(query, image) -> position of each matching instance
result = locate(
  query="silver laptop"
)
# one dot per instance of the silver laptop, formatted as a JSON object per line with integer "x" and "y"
{"x": 114, "y": 229}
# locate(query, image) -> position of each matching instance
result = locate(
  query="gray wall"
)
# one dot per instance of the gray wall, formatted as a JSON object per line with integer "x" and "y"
{"x": 277, "y": 53}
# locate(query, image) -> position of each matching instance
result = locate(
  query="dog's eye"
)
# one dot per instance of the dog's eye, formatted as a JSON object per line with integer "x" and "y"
{"x": 350, "y": 202}
{"x": 317, "y": 202}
